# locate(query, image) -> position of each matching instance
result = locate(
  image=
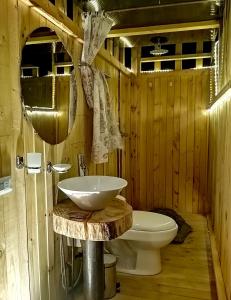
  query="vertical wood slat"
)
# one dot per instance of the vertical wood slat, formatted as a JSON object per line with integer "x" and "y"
{"x": 169, "y": 141}
{"x": 142, "y": 166}
{"x": 197, "y": 142}
{"x": 178, "y": 63}
{"x": 156, "y": 142}
{"x": 150, "y": 140}
{"x": 116, "y": 48}
{"x": 176, "y": 143}
{"x": 183, "y": 142}
{"x": 190, "y": 142}
{"x": 61, "y": 5}
{"x": 163, "y": 148}
{"x": 124, "y": 115}
{"x": 204, "y": 203}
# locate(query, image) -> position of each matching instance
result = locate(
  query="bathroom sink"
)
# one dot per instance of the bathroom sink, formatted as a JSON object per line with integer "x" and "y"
{"x": 92, "y": 192}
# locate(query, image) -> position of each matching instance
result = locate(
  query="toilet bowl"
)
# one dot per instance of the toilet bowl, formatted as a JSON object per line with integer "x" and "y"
{"x": 138, "y": 249}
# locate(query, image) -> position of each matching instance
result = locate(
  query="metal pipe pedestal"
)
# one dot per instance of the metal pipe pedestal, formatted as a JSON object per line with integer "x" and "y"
{"x": 93, "y": 270}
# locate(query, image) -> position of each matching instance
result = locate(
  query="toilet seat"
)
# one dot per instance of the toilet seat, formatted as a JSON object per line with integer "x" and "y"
{"x": 151, "y": 222}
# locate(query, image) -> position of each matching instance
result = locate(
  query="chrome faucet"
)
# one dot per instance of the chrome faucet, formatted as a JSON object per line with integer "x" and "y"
{"x": 83, "y": 171}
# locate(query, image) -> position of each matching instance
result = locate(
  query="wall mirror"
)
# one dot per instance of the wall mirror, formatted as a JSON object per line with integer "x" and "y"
{"x": 48, "y": 86}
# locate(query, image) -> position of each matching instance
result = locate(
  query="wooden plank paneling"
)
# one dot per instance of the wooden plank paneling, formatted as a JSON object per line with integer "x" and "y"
{"x": 219, "y": 183}
{"x": 150, "y": 139}
{"x": 125, "y": 125}
{"x": 29, "y": 250}
{"x": 169, "y": 141}
{"x": 156, "y": 142}
{"x": 162, "y": 145}
{"x": 176, "y": 144}
{"x": 220, "y": 161}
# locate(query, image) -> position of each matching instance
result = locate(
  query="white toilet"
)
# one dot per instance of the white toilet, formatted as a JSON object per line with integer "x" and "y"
{"x": 138, "y": 249}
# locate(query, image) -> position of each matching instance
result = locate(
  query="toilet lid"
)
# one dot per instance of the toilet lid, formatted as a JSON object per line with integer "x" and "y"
{"x": 149, "y": 221}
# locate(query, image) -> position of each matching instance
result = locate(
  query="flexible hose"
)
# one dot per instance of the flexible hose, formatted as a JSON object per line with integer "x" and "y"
{"x": 63, "y": 269}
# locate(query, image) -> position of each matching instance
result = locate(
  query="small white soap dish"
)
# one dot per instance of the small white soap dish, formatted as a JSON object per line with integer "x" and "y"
{"x": 61, "y": 168}
{"x": 58, "y": 168}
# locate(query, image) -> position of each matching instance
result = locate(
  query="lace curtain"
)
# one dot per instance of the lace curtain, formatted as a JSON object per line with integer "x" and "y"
{"x": 106, "y": 134}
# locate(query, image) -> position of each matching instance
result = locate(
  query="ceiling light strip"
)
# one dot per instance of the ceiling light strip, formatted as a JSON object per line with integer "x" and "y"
{"x": 223, "y": 97}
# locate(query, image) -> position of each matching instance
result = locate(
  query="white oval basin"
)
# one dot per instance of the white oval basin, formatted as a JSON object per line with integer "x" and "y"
{"x": 92, "y": 192}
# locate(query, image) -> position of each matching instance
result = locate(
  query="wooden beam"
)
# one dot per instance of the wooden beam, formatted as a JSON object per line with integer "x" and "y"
{"x": 122, "y": 55}
{"x": 212, "y": 24}
{"x": 113, "y": 61}
{"x": 61, "y": 5}
{"x": 135, "y": 60}
{"x": 55, "y": 16}
{"x": 110, "y": 46}
{"x": 176, "y": 57}
{"x": 199, "y": 62}
{"x": 116, "y": 48}
{"x": 42, "y": 39}
{"x": 178, "y": 63}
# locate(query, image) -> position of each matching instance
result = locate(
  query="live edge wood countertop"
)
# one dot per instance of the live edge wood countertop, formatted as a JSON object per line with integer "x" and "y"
{"x": 102, "y": 225}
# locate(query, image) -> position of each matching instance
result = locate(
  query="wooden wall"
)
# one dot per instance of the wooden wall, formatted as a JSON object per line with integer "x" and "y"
{"x": 166, "y": 130}
{"x": 29, "y": 250}
{"x": 220, "y": 160}
{"x": 219, "y": 186}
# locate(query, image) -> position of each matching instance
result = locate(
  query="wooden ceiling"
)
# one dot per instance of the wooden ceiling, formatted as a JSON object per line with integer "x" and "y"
{"x": 141, "y": 13}
{"x": 131, "y": 17}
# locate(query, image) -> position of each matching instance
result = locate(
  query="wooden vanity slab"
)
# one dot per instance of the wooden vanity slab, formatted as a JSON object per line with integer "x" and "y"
{"x": 102, "y": 225}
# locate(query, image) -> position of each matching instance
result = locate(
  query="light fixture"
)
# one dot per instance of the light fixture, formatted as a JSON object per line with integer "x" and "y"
{"x": 217, "y": 65}
{"x": 222, "y": 97}
{"x": 158, "y": 40}
{"x": 157, "y": 71}
{"x": 213, "y": 9}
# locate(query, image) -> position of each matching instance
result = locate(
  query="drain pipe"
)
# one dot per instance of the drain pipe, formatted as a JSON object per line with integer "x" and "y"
{"x": 93, "y": 270}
